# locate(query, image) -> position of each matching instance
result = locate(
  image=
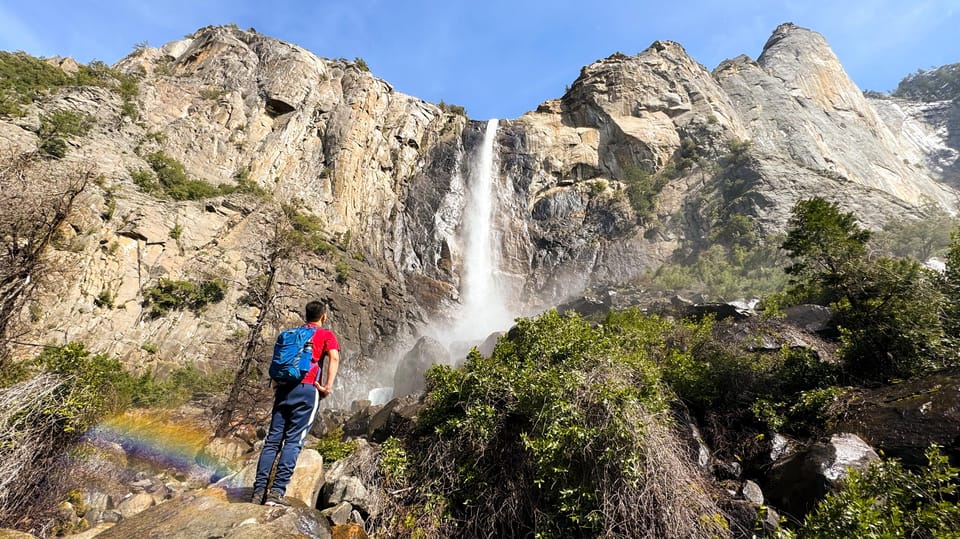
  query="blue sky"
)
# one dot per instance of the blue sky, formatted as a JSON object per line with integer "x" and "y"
{"x": 501, "y": 58}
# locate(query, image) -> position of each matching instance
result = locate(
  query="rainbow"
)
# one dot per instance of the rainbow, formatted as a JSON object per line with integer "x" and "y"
{"x": 158, "y": 440}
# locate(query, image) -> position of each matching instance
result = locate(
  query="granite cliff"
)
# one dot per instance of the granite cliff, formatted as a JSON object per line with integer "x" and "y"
{"x": 384, "y": 176}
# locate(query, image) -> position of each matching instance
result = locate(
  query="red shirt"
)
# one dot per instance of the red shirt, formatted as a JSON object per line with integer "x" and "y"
{"x": 323, "y": 341}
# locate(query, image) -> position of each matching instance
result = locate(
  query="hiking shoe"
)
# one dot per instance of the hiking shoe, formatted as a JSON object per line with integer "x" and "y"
{"x": 276, "y": 499}
{"x": 257, "y": 497}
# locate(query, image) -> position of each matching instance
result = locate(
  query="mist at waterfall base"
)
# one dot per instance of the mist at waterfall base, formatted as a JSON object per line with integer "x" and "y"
{"x": 484, "y": 309}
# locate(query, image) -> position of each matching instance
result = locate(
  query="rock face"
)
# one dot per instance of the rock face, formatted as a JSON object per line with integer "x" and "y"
{"x": 385, "y": 176}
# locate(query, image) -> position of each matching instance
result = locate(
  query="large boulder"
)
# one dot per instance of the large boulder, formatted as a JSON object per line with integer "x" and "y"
{"x": 408, "y": 378}
{"x": 795, "y": 483}
{"x": 304, "y": 485}
{"x": 212, "y": 513}
{"x": 905, "y": 418}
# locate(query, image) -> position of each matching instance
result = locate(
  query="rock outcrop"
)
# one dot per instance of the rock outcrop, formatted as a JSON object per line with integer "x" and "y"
{"x": 384, "y": 178}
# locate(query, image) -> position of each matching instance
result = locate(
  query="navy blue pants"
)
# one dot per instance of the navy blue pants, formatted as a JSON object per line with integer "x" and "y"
{"x": 294, "y": 409}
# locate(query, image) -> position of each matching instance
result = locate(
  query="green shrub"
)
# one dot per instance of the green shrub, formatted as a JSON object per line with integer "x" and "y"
{"x": 888, "y": 311}
{"x": 578, "y": 413}
{"x": 452, "y": 109}
{"x": 59, "y": 126}
{"x": 342, "y": 269}
{"x": 97, "y": 384}
{"x": 169, "y": 295}
{"x": 642, "y": 189}
{"x": 169, "y": 178}
{"x": 176, "y": 231}
{"x": 178, "y": 387}
{"x": 105, "y": 299}
{"x": 24, "y": 79}
{"x": 361, "y": 63}
{"x": 332, "y": 447}
{"x": 305, "y": 232}
{"x": 886, "y": 500}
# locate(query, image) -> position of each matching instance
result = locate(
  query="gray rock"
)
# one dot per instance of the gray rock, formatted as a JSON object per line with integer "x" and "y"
{"x": 811, "y": 318}
{"x": 135, "y": 504}
{"x": 408, "y": 377}
{"x": 338, "y": 514}
{"x": 211, "y": 513}
{"x": 796, "y": 482}
{"x": 752, "y": 492}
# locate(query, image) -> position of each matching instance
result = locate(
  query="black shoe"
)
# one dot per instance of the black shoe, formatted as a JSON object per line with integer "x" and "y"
{"x": 257, "y": 497}
{"x": 276, "y": 499}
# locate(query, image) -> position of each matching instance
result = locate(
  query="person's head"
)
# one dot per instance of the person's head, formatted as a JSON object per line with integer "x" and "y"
{"x": 317, "y": 311}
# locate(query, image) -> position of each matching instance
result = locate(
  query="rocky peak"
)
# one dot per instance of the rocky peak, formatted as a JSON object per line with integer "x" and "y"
{"x": 806, "y": 64}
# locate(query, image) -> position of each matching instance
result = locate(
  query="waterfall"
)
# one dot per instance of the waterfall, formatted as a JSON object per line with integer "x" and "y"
{"x": 484, "y": 308}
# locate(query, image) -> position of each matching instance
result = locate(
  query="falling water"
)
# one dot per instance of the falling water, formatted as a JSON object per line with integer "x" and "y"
{"x": 483, "y": 310}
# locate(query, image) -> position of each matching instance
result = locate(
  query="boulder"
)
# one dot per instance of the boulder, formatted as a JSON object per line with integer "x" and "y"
{"x": 338, "y": 514}
{"x": 392, "y": 417}
{"x": 213, "y": 513}
{"x": 135, "y": 504}
{"x": 408, "y": 378}
{"x": 347, "y": 489}
{"x": 343, "y": 483}
{"x": 905, "y": 418}
{"x": 304, "y": 485}
{"x": 752, "y": 492}
{"x": 812, "y": 318}
{"x": 795, "y": 483}
{"x": 223, "y": 454}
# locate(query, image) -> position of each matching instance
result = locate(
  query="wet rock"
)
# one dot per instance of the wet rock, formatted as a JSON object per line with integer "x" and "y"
{"x": 408, "y": 377}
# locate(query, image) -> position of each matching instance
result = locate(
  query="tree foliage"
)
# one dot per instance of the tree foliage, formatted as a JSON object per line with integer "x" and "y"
{"x": 887, "y": 310}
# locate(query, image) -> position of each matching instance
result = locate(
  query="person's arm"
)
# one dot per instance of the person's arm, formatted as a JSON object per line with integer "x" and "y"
{"x": 332, "y": 366}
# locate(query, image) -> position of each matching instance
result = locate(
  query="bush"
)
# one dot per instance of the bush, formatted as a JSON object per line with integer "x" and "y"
{"x": 176, "y": 295}
{"x": 24, "y": 79}
{"x": 888, "y": 311}
{"x": 95, "y": 384}
{"x": 450, "y": 108}
{"x": 172, "y": 180}
{"x": 332, "y": 447}
{"x": 578, "y": 413}
{"x": 886, "y": 500}
{"x": 59, "y": 126}
{"x": 642, "y": 189}
{"x": 305, "y": 232}
{"x": 178, "y": 386}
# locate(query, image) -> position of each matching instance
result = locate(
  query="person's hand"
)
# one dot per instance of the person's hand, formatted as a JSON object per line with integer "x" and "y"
{"x": 323, "y": 390}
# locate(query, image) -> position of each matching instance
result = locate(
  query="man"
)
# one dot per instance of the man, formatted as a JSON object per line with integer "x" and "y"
{"x": 294, "y": 409}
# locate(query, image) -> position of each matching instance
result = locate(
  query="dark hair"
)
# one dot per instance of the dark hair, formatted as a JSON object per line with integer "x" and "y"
{"x": 315, "y": 310}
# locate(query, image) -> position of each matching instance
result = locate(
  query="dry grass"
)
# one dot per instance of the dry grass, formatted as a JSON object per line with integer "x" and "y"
{"x": 32, "y": 447}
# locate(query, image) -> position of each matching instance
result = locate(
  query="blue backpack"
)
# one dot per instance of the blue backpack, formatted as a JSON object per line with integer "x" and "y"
{"x": 292, "y": 354}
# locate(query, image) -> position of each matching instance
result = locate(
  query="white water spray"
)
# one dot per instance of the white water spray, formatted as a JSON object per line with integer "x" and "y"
{"x": 484, "y": 308}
